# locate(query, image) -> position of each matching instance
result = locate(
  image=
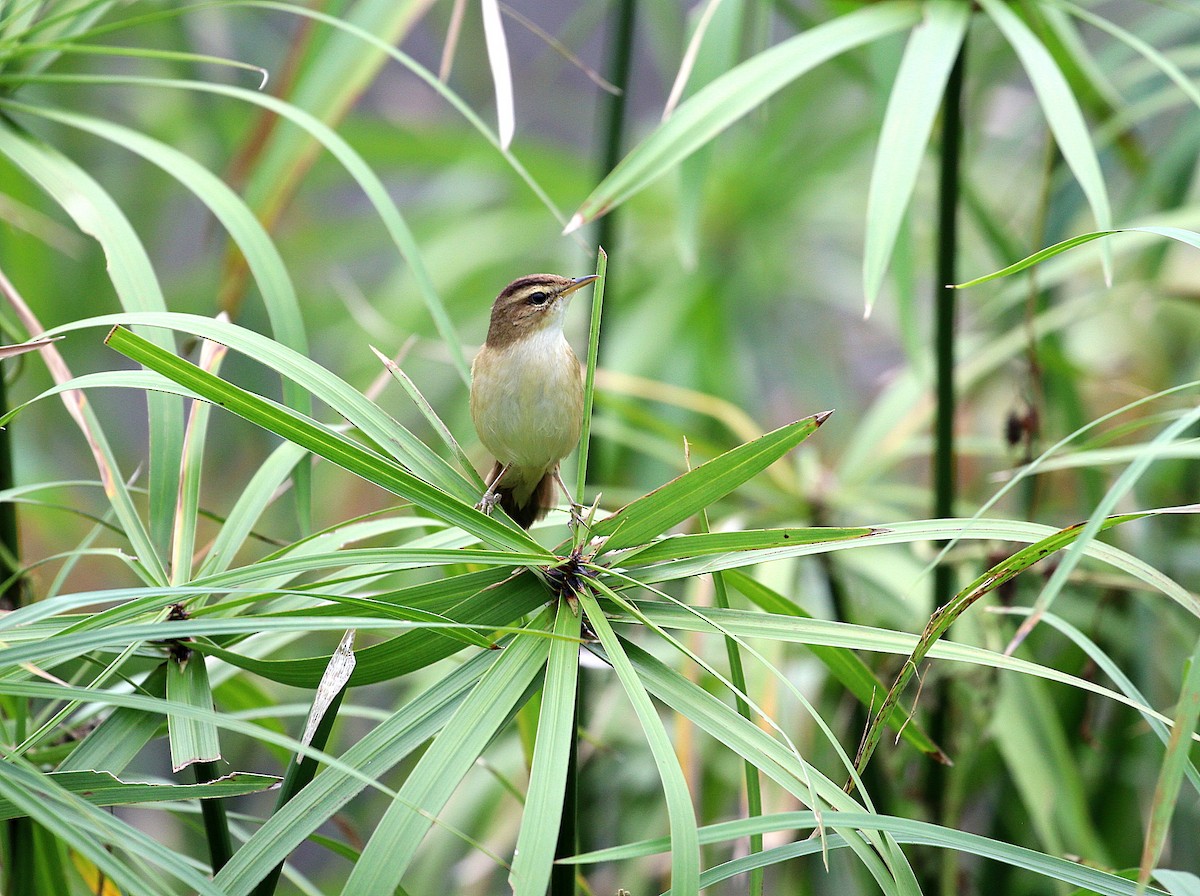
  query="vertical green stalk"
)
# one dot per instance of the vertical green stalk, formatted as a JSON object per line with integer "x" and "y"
{"x": 10, "y": 553}
{"x": 300, "y": 772}
{"x": 612, "y": 126}
{"x": 589, "y": 381}
{"x": 945, "y": 461}
{"x": 18, "y": 832}
{"x": 737, "y": 675}
{"x": 216, "y": 823}
{"x": 562, "y": 877}
{"x": 571, "y": 837}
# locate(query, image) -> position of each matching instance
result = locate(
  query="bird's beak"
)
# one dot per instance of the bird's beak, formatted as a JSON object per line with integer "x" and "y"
{"x": 579, "y": 282}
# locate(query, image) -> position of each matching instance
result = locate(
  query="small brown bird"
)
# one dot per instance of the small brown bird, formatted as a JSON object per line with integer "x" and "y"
{"x": 527, "y": 395}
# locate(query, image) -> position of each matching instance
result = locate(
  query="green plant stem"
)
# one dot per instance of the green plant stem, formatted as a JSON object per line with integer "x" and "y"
{"x": 737, "y": 675}
{"x": 612, "y": 126}
{"x": 562, "y": 877}
{"x": 299, "y": 773}
{"x": 589, "y": 384}
{"x": 612, "y": 131}
{"x": 945, "y": 461}
{"x": 10, "y": 553}
{"x": 18, "y": 832}
{"x": 216, "y": 824}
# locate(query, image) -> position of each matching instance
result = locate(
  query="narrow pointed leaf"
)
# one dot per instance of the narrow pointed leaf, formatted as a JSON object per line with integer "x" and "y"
{"x": 685, "y": 845}
{"x": 736, "y": 93}
{"x": 1187, "y": 237}
{"x": 534, "y": 853}
{"x": 497, "y": 51}
{"x": 655, "y": 513}
{"x": 912, "y": 107}
{"x": 1061, "y": 110}
{"x": 487, "y": 602}
{"x": 675, "y": 547}
{"x": 106, "y": 789}
{"x": 321, "y": 441}
{"x": 192, "y": 739}
{"x": 449, "y": 758}
{"x": 1175, "y": 763}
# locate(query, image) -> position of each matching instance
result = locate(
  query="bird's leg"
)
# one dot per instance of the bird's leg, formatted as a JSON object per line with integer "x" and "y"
{"x": 491, "y": 497}
{"x": 576, "y": 516}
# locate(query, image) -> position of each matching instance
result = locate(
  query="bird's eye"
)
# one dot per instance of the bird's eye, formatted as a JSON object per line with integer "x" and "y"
{"x": 538, "y": 298}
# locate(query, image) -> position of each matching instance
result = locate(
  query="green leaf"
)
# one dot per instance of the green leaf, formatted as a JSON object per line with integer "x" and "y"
{"x": 790, "y": 629}
{"x": 322, "y": 442}
{"x": 497, "y": 53}
{"x": 685, "y": 846}
{"x": 1187, "y": 237}
{"x": 678, "y": 547}
{"x": 133, "y": 277}
{"x": 533, "y": 856}
{"x": 187, "y": 511}
{"x": 376, "y": 752}
{"x": 736, "y": 93}
{"x": 655, "y": 513}
{"x": 449, "y": 758}
{"x": 912, "y": 107}
{"x": 775, "y": 760}
{"x": 1175, "y": 763}
{"x": 98, "y": 835}
{"x": 1061, "y": 110}
{"x": 903, "y": 829}
{"x": 488, "y": 598}
{"x": 843, "y": 664}
{"x": 106, "y": 789}
{"x": 192, "y": 739}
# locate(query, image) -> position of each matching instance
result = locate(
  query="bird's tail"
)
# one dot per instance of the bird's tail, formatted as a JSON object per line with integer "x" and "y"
{"x": 526, "y": 513}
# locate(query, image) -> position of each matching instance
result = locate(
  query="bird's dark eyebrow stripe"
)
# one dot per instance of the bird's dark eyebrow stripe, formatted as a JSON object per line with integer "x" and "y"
{"x": 525, "y": 282}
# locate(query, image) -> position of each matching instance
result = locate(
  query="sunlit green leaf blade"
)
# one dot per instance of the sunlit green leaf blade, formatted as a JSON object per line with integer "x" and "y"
{"x": 192, "y": 739}
{"x": 453, "y": 752}
{"x": 674, "y": 502}
{"x": 685, "y": 847}
{"x": 739, "y": 91}
{"x": 1175, "y": 763}
{"x": 912, "y": 106}
{"x": 534, "y": 852}
{"x": 320, "y": 441}
{"x": 1061, "y": 110}
{"x": 844, "y": 665}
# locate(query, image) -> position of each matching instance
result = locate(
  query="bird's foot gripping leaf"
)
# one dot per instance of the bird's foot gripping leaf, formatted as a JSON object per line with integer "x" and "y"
{"x": 488, "y": 502}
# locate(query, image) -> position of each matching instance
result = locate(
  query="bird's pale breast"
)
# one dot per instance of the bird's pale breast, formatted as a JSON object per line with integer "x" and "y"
{"x": 526, "y": 401}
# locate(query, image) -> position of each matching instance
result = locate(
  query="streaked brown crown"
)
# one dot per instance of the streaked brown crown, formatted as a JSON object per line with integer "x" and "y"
{"x": 528, "y": 304}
